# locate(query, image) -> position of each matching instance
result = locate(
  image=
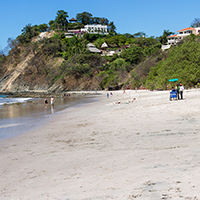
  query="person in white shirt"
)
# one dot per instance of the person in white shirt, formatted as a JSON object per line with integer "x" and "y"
{"x": 181, "y": 90}
{"x": 52, "y": 100}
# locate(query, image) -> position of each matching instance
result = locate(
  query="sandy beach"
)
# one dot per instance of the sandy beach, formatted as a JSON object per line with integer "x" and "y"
{"x": 146, "y": 149}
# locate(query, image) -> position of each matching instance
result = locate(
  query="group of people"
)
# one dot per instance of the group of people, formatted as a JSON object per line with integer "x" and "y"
{"x": 179, "y": 91}
{"x": 111, "y": 94}
{"x": 46, "y": 102}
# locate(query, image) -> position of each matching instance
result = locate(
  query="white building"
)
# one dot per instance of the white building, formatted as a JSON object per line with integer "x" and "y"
{"x": 174, "y": 39}
{"x": 95, "y": 28}
{"x": 92, "y": 48}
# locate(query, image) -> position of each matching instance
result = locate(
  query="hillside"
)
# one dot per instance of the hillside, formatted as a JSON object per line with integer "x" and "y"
{"x": 57, "y": 63}
{"x": 36, "y": 72}
{"x": 49, "y": 61}
{"x": 182, "y": 62}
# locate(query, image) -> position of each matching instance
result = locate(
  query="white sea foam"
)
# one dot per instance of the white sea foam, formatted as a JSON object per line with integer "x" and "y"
{"x": 4, "y": 100}
{"x": 9, "y": 125}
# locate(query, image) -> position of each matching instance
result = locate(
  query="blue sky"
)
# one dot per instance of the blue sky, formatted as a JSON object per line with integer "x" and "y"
{"x": 130, "y": 16}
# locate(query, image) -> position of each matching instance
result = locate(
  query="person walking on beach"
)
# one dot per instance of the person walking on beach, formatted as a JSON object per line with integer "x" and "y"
{"x": 124, "y": 91}
{"x": 107, "y": 95}
{"x": 181, "y": 90}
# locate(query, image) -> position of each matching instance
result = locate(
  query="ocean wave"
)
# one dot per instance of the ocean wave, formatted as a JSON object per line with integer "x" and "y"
{"x": 4, "y": 100}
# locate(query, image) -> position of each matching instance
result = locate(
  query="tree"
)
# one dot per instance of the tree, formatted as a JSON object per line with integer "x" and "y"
{"x": 28, "y": 32}
{"x": 133, "y": 54}
{"x": 128, "y": 35}
{"x": 61, "y": 19}
{"x": 99, "y": 20}
{"x": 11, "y": 43}
{"x": 51, "y": 46}
{"x": 76, "y": 25}
{"x": 2, "y": 57}
{"x": 84, "y": 18}
{"x": 103, "y": 21}
{"x": 52, "y": 25}
{"x": 145, "y": 42}
{"x": 181, "y": 62}
{"x": 195, "y": 23}
{"x": 42, "y": 27}
{"x": 139, "y": 34}
{"x": 95, "y": 20}
{"x": 117, "y": 40}
{"x": 119, "y": 65}
{"x": 163, "y": 38}
{"x": 112, "y": 28}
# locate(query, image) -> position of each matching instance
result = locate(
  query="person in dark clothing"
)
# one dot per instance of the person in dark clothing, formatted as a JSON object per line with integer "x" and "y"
{"x": 178, "y": 91}
{"x": 45, "y": 102}
{"x": 181, "y": 90}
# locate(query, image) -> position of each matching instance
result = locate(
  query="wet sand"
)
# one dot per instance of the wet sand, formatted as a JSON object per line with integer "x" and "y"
{"x": 19, "y": 117}
{"x": 148, "y": 149}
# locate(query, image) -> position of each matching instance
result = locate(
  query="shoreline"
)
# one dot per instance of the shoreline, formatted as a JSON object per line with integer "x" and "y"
{"x": 27, "y": 115}
{"x": 42, "y": 94}
{"x": 147, "y": 149}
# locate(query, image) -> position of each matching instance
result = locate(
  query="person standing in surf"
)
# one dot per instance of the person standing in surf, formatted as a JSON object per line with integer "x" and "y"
{"x": 45, "y": 102}
{"x": 52, "y": 101}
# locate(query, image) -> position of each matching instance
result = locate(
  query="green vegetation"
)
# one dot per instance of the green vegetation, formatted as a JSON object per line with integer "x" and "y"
{"x": 182, "y": 62}
{"x": 138, "y": 63}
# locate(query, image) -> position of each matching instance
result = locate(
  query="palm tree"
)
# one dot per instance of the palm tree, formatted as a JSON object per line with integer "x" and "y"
{"x": 163, "y": 38}
{"x": 61, "y": 19}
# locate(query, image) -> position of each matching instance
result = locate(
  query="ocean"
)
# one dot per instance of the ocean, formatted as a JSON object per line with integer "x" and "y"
{"x": 5, "y": 100}
{"x": 18, "y": 115}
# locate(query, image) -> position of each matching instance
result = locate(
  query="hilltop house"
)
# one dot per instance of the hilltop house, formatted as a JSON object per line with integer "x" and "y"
{"x": 174, "y": 39}
{"x": 72, "y": 20}
{"x": 71, "y": 33}
{"x": 95, "y": 28}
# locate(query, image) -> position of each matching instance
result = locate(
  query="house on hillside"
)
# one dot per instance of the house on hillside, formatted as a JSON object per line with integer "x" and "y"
{"x": 75, "y": 32}
{"x": 108, "y": 52}
{"x": 69, "y": 34}
{"x": 104, "y": 45}
{"x": 174, "y": 39}
{"x": 95, "y": 28}
{"x": 72, "y": 20}
{"x": 92, "y": 48}
{"x": 112, "y": 52}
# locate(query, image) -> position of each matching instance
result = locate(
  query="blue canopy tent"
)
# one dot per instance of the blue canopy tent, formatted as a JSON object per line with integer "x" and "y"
{"x": 173, "y": 80}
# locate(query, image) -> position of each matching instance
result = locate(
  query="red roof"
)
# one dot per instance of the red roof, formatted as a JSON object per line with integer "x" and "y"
{"x": 171, "y": 36}
{"x": 72, "y": 19}
{"x": 186, "y": 29}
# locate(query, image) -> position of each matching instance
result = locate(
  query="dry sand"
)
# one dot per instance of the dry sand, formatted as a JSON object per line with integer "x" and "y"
{"x": 148, "y": 149}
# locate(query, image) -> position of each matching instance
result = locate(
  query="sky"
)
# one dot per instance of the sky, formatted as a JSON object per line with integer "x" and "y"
{"x": 129, "y": 16}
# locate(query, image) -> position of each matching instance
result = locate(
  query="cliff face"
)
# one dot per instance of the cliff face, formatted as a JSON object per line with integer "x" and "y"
{"x": 25, "y": 76}
{"x": 7, "y": 82}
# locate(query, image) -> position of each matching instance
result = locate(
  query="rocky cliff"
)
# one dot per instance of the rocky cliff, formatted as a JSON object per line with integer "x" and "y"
{"x": 31, "y": 72}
